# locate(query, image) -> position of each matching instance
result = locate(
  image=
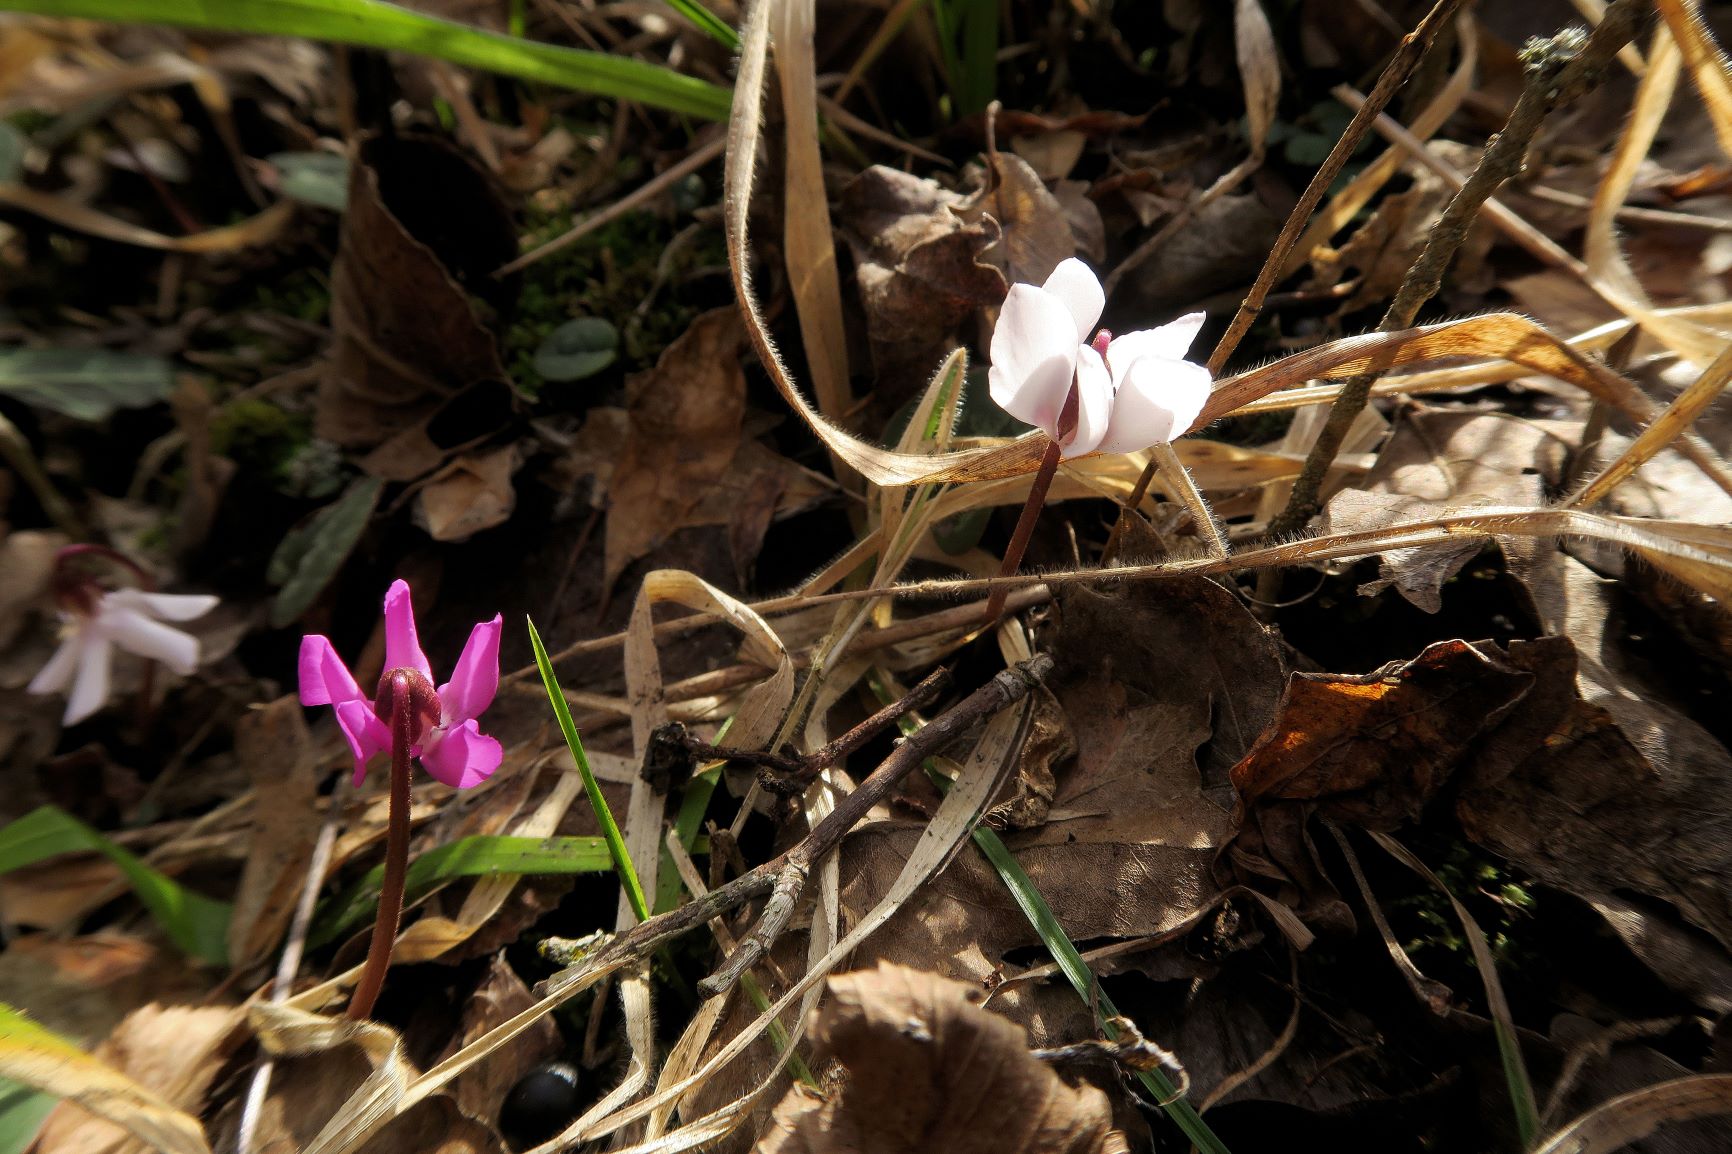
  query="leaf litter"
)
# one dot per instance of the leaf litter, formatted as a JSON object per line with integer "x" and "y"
{"x": 1502, "y": 643}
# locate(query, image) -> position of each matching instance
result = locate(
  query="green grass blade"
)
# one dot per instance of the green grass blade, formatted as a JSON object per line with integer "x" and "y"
{"x": 979, "y": 55}
{"x": 197, "y": 925}
{"x": 480, "y": 856}
{"x": 708, "y": 22}
{"x": 22, "y": 1109}
{"x": 609, "y": 829}
{"x": 376, "y": 24}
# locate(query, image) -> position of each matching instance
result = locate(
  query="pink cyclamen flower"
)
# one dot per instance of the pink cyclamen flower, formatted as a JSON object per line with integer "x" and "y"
{"x": 1132, "y": 391}
{"x": 94, "y": 623}
{"x": 453, "y": 749}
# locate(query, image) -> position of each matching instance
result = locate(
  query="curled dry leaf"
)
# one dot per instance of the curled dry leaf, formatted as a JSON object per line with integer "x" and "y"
{"x": 424, "y": 229}
{"x": 929, "y": 1069}
{"x": 472, "y": 493}
{"x": 917, "y": 266}
{"x": 1033, "y": 232}
{"x": 1370, "y": 750}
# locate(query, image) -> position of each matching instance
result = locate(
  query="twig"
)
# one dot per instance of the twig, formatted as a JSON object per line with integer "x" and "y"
{"x": 1405, "y": 59}
{"x": 1225, "y": 184}
{"x": 797, "y": 772}
{"x": 1557, "y": 71}
{"x": 782, "y": 876}
{"x": 630, "y": 202}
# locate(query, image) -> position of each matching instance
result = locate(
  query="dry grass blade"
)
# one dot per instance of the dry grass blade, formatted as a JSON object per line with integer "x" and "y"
{"x": 249, "y": 233}
{"x": 43, "y": 1061}
{"x": 1630, "y": 1117}
{"x": 806, "y": 235}
{"x": 1708, "y": 66}
{"x": 286, "y": 1031}
{"x": 1666, "y": 428}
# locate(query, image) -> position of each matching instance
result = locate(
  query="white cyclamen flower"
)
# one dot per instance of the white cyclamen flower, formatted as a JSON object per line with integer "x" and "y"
{"x": 1133, "y": 391}
{"x": 131, "y": 619}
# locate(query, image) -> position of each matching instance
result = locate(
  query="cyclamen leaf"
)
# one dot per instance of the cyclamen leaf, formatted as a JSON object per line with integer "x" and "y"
{"x": 310, "y": 556}
{"x": 85, "y": 384}
{"x": 196, "y": 924}
{"x": 577, "y": 349}
{"x": 316, "y": 178}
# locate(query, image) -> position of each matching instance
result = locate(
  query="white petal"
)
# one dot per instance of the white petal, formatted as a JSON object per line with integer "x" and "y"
{"x": 163, "y": 606}
{"x": 1158, "y": 401}
{"x": 1094, "y": 409}
{"x": 136, "y": 633}
{"x": 1034, "y": 351}
{"x": 54, "y": 676}
{"x": 1170, "y": 342}
{"x": 1074, "y": 283}
{"x": 90, "y": 689}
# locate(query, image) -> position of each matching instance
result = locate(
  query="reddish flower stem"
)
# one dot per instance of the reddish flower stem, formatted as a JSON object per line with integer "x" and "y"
{"x": 1024, "y": 527}
{"x": 396, "y": 852}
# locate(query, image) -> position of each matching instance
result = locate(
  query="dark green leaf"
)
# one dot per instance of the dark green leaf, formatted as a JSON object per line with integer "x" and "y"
{"x": 311, "y": 555}
{"x": 316, "y": 178}
{"x": 12, "y": 148}
{"x": 577, "y": 349}
{"x": 87, "y": 384}
{"x": 196, "y": 924}
{"x": 21, "y": 1112}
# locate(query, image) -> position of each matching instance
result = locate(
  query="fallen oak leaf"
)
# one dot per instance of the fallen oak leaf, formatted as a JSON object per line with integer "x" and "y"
{"x": 926, "y": 1065}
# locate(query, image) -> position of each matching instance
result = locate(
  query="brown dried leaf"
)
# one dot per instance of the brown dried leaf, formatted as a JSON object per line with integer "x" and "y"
{"x": 928, "y": 1069}
{"x": 501, "y": 995}
{"x": 472, "y": 493}
{"x": 1444, "y": 461}
{"x": 273, "y": 744}
{"x": 1034, "y": 235}
{"x": 173, "y": 1051}
{"x": 917, "y": 268}
{"x": 1371, "y": 750}
{"x": 82, "y": 987}
{"x": 423, "y": 230}
{"x": 684, "y": 429}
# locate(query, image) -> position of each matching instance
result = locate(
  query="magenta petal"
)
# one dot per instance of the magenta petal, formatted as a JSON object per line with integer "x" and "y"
{"x": 402, "y": 647}
{"x": 461, "y": 757}
{"x": 476, "y": 678}
{"x": 366, "y": 733}
{"x": 325, "y": 680}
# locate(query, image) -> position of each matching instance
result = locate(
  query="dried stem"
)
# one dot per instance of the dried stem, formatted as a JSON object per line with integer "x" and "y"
{"x": 1405, "y": 59}
{"x": 1557, "y": 71}
{"x": 786, "y": 874}
{"x": 396, "y": 854}
{"x": 799, "y": 771}
{"x": 1025, "y": 526}
{"x": 1185, "y": 488}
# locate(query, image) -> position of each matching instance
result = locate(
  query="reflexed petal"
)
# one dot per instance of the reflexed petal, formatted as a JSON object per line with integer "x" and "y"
{"x": 1094, "y": 409}
{"x": 136, "y": 633}
{"x": 164, "y": 606}
{"x": 1074, "y": 283}
{"x": 1034, "y": 350}
{"x": 367, "y": 735}
{"x": 476, "y": 678}
{"x": 325, "y": 680}
{"x": 57, "y": 674}
{"x": 461, "y": 757}
{"x": 402, "y": 648}
{"x": 1158, "y": 401}
{"x": 90, "y": 687}
{"x": 1169, "y": 342}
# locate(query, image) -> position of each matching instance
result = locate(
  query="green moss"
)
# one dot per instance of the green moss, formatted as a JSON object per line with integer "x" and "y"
{"x": 266, "y": 440}
{"x": 1498, "y": 898}
{"x": 608, "y": 274}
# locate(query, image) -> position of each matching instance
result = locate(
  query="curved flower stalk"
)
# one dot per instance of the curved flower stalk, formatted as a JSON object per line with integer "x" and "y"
{"x": 412, "y": 720}
{"x": 1090, "y": 391}
{"x": 95, "y": 621}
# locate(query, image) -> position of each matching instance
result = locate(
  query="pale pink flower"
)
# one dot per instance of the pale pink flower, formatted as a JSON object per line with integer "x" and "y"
{"x": 453, "y": 749}
{"x": 131, "y": 619}
{"x": 1132, "y": 391}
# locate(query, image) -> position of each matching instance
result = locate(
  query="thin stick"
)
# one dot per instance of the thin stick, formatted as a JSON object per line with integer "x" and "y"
{"x": 1405, "y": 59}
{"x": 630, "y": 202}
{"x": 1557, "y": 71}
{"x": 1025, "y": 526}
{"x": 396, "y": 854}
